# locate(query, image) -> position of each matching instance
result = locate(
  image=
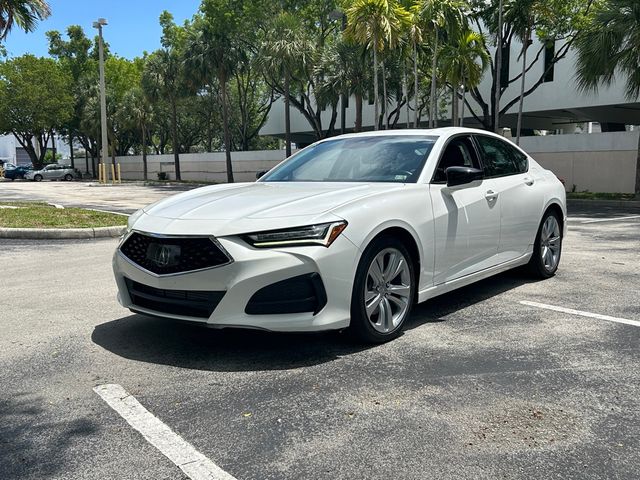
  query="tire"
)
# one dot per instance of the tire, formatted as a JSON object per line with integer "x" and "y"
{"x": 68, "y": 177}
{"x": 547, "y": 248}
{"x": 385, "y": 320}
{"x": 38, "y": 178}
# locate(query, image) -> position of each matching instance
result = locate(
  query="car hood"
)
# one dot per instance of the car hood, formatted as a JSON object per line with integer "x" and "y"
{"x": 243, "y": 207}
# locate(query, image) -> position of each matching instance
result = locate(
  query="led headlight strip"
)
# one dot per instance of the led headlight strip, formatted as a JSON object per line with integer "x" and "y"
{"x": 321, "y": 234}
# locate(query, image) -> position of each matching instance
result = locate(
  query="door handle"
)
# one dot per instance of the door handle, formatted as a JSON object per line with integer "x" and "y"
{"x": 491, "y": 195}
{"x": 529, "y": 181}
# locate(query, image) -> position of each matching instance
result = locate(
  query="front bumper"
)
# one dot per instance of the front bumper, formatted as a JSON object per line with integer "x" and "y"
{"x": 251, "y": 270}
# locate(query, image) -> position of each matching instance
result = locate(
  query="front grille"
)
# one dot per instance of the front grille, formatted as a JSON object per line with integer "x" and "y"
{"x": 189, "y": 303}
{"x": 304, "y": 293}
{"x": 167, "y": 255}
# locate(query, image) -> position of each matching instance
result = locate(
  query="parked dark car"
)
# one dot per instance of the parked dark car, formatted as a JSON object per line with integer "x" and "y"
{"x": 12, "y": 171}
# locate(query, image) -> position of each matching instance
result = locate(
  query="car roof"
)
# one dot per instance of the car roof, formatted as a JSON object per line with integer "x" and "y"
{"x": 432, "y": 132}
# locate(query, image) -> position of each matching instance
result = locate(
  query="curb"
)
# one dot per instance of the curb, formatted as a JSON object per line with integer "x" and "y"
{"x": 62, "y": 233}
{"x": 603, "y": 202}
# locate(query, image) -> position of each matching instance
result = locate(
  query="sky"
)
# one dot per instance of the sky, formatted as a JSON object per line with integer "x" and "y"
{"x": 133, "y": 24}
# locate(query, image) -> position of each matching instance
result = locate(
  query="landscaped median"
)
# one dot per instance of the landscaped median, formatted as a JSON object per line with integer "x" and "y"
{"x": 39, "y": 220}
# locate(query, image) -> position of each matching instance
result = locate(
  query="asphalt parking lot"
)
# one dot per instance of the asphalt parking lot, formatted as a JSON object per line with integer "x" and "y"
{"x": 480, "y": 385}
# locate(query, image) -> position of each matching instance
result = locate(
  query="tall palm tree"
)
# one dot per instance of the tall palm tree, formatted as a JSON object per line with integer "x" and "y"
{"x": 281, "y": 56}
{"x": 414, "y": 34}
{"x": 140, "y": 111}
{"x": 609, "y": 49}
{"x": 442, "y": 18}
{"x": 464, "y": 59}
{"x": 377, "y": 24}
{"x": 24, "y": 13}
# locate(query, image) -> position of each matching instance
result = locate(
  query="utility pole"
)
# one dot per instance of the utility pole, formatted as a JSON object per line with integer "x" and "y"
{"x": 498, "y": 84}
{"x": 103, "y": 95}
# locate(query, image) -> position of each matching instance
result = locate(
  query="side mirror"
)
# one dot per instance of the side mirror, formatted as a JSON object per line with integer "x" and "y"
{"x": 260, "y": 174}
{"x": 462, "y": 175}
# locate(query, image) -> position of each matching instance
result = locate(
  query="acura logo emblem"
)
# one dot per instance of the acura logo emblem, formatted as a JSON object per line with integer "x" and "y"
{"x": 163, "y": 255}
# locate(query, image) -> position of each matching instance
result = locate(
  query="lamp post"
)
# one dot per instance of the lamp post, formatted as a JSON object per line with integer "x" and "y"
{"x": 103, "y": 95}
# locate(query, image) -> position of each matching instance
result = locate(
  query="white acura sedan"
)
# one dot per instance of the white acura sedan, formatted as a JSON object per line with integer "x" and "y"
{"x": 349, "y": 232}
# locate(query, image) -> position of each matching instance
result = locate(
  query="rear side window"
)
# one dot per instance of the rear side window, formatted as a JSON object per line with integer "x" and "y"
{"x": 500, "y": 158}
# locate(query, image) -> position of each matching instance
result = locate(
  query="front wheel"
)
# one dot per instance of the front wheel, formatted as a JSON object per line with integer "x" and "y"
{"x": 383, "y": 291}
{"x": 547, "y": 248}
{"x": 38, "y": 178}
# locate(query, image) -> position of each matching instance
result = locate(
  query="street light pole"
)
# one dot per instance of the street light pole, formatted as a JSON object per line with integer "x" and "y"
{"x": 103, "y": 95}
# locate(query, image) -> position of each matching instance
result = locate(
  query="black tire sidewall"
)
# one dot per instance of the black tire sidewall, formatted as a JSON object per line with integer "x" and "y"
{"x": 38, "y": 178}
{"x": 68, "y": 177}
{"x": 360, "y": 326}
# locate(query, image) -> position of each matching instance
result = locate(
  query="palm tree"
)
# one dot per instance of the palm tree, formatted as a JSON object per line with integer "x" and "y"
{"x": 377, "y": 24}
{"x": 442, "y": 18}
{"x": 140, "y": 110}
{"x": 281, "y": 57}
{"x": 464, "y": 59}
{"x": 342, "y": 67}
{"x": 162, "y": 78}
{"x": 414, "y": 34}
{"x": 24, "y": 13}
{"x": 609, "y": 49}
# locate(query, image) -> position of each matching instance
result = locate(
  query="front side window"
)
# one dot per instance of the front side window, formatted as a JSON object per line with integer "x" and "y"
{"x": 459, "y": 152}
{"x": 500, "y": 158}
{"x": 384, "y": 158}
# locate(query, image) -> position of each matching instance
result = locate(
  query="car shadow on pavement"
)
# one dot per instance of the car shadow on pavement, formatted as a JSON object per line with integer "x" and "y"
{"x": 167, "y": 342}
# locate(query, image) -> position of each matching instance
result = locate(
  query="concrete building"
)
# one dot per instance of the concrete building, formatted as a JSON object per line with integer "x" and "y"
{"x": 11, "y": 151}
{"x": 555, "y": 106}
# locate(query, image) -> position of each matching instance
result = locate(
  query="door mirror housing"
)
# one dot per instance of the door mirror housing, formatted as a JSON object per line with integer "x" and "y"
{"x": 462, "y": 175}
{"x": 260, "y": 174}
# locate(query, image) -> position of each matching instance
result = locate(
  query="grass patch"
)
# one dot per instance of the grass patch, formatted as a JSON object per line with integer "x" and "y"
{"x": 42, "y": 215}
{"x": 600, "y": 196}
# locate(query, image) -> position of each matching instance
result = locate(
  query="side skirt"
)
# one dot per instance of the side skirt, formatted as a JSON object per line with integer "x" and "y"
{"x": 442, "y": 288}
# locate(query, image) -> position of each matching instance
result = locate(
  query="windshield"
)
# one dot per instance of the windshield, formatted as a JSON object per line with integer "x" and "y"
{"x": 358, "y": 159}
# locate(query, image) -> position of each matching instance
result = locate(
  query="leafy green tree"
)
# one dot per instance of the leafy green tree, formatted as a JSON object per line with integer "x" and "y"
{"x": 140, "y": 112}
{"x": 377, "y": 24}
{"x": 608, "y": 50}
{"x": 35, "y": 100}
{"x": 24, "y": 13}
{"x": 464, "y": 60}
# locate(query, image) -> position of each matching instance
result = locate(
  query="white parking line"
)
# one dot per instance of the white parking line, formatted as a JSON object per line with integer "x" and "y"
{"x": 194, "y": 464}
{"x": 614, "y": 219}
{"x": 571, "y": 311}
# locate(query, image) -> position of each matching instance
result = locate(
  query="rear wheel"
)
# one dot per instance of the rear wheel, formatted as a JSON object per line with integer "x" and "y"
{"x": 383, "y": 291}
{"x": 68, "y": 177}
{"x": 547, "y": 248}
{"x": 38, "y": 178}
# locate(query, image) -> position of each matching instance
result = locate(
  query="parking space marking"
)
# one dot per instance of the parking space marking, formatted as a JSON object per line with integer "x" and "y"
{"x": 194, "y": 464}
{"x": 598, "y": 220}
{"x": 571, "y": 311}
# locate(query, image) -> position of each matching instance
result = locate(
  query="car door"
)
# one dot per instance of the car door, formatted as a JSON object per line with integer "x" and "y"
{"x": 49, "y": 172}
{"x": 518, "y": 198}
{"x": 466, "y": 220}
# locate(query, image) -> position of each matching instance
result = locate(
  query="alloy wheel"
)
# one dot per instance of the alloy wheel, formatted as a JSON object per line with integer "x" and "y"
{"x": 387, "y": 292}
{"x": 550, "y": 243}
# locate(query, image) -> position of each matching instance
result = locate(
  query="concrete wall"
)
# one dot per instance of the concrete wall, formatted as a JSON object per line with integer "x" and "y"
{"x": 206, "y": 167}
{"x": 597, "y": 162}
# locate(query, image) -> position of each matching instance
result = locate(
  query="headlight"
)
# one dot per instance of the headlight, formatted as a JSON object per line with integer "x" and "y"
{"x": 321, "y": 234}
{"x": 133, "y": 218}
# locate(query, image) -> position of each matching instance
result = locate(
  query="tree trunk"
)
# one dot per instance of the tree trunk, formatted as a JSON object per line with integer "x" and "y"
{"x": 53, "y": 148}
{"x": 525, "y": 47}
{"x": 405, "y": 86}
{"x": 384, "y": 99}
{"x": 358, "y": 124}
{"x": 415, "y": 85}
{"x": 73, "y": 162}
{"x": 174, "y": 135}
{"x": 454, "y": 107}
{"x": 287, "y": 117}
{"x": 225, "y": 123}
{"x": 144, "y": 152}
{"x": 464, "y": 96}
{"x": 432, "y": 96}
{"x": 375, "y": 83}
{"x": 86, "y": 161}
